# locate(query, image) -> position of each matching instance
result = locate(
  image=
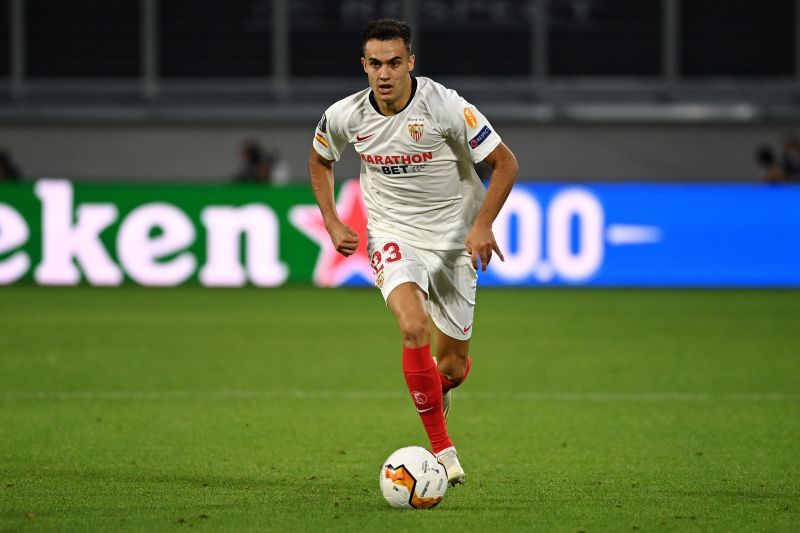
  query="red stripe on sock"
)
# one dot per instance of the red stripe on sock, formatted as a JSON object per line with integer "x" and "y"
{"x": 425, "y": 387}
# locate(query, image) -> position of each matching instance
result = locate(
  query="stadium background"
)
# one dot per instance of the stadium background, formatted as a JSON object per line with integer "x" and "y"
{"x": 583, "y": 89}
{"x": 659, "y": 406}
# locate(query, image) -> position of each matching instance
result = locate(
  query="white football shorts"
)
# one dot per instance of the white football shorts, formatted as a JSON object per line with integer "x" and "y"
{"x": 445, "y": 276}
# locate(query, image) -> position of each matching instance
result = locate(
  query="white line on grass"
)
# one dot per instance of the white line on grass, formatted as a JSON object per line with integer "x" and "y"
{"x": 233, "y": 394}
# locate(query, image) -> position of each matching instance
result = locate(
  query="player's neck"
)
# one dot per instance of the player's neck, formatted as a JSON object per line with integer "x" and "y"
{"x": 398, "y": 105}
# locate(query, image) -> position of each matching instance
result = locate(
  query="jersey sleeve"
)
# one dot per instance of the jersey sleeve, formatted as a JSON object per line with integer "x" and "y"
{"x": 330, "y": 137}
{"x": 480, "y": 136}
{"x": 468, "y": 127}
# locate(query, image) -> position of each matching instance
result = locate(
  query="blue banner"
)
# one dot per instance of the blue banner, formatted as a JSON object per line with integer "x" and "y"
{"x": 648, "y": 235}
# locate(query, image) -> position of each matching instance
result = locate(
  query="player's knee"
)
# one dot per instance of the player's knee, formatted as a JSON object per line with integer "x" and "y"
{"x": 415, "y": 330}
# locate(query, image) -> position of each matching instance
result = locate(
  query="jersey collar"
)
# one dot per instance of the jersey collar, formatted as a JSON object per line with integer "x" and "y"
{"x": 413, "y": 92}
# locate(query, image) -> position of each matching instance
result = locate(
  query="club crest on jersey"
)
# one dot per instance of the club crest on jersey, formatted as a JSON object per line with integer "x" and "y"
{"x": 415, "y": 128}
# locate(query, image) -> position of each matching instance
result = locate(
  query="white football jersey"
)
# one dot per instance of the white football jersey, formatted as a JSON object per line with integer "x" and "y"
{"x": 417, "y": 174}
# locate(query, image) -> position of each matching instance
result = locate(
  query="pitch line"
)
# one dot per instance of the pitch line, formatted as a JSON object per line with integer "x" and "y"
{"x": 297, "y": 394}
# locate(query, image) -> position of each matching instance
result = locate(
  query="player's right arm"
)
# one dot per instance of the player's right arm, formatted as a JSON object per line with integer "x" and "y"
{"x": 320, "y": 172}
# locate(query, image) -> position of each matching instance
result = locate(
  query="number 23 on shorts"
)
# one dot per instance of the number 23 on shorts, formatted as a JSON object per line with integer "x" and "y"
{"x": 391, "y": 253}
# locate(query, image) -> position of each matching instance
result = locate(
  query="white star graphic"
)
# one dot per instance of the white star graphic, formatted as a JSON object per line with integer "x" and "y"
{"x": 332, "y": 268}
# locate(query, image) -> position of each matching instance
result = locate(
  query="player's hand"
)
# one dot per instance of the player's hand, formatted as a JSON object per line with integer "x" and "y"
{"x": 480, "y": 245}
{"x": 344, "y": 239}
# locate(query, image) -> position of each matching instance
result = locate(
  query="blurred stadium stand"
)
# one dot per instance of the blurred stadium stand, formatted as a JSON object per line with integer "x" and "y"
{"x": 550, "y": 72}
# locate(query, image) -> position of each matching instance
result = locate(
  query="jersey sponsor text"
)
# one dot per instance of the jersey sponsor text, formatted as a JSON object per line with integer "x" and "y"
{"x": 404, "y": 159}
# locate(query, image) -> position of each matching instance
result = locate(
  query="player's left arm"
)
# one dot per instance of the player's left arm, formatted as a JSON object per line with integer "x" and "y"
{"x": 480, "y": 240}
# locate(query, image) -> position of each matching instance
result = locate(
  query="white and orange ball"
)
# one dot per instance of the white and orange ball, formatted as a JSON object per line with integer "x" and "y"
{"x": 412, "y": 478}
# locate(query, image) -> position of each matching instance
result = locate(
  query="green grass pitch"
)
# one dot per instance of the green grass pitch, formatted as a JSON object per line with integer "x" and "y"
{"x": 232, "y": 410}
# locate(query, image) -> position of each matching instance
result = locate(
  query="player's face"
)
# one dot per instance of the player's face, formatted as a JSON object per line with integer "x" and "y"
{"x": 388, "y": 66}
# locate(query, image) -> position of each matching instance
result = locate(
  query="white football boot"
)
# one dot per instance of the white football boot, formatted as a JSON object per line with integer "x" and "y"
{"x": 449, "y": 459}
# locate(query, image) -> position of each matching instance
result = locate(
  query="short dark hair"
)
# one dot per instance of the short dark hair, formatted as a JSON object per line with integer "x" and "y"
{"x": 386, "y": 30}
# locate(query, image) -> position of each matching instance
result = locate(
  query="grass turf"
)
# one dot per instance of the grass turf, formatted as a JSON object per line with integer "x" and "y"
{"x": 147, "y": 410}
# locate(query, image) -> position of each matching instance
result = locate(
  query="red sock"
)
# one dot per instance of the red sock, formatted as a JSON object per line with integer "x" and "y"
{"x": 423, "y": 382}
{"x": 448, "y": 383}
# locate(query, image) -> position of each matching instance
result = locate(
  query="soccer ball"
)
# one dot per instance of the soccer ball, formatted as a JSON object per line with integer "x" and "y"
{"x": 412, "y": 478}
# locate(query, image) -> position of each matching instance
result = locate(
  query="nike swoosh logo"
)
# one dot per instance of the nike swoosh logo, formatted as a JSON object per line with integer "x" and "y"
{"x": 424, "y": 410}
{"x": 467, "y": 328}
{"x": 359, "y": 138}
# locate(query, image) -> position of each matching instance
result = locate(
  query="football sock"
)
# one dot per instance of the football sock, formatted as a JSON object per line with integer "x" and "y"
{"x": 425, "y": 387}
{"x": 448, "y": 383}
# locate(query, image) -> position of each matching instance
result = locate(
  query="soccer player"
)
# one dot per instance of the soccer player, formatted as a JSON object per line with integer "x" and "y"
{"x": 429, "y": 216}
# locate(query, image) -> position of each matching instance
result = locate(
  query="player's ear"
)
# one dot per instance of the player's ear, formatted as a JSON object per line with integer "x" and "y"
{"x": 364, "y": 63}
{"x": 411, "y": 59}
